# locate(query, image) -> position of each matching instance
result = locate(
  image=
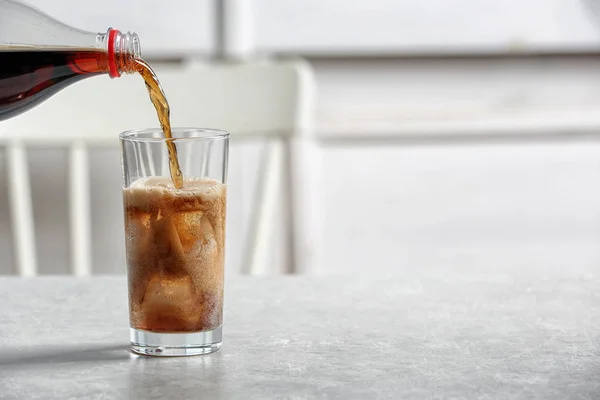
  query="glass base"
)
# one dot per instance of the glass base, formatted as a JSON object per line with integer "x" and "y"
{"x": 175, "y": 344}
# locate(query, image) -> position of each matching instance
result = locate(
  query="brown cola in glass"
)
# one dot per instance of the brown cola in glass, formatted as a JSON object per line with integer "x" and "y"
{"x": 175, "y": 253}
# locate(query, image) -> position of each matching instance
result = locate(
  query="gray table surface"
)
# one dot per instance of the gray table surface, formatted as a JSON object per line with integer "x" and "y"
{"x": 452, "y": 334}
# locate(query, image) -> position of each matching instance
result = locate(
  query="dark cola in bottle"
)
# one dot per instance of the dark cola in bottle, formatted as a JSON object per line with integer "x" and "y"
{"x": 40, "y": 56}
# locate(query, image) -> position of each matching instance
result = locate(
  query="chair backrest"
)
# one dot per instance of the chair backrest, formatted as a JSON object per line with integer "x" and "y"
{"x": 251, "y": 99}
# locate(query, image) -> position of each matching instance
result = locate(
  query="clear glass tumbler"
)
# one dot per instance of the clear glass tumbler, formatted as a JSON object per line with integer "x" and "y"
{"x": 175, "y": 240}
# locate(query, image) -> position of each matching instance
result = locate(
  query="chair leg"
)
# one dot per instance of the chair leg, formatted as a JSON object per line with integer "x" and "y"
{"x": 21, "y": 210}
{"x": 80, "y": 218}
{"x": 302, "y": 169}
{"x": 265, "y": 204}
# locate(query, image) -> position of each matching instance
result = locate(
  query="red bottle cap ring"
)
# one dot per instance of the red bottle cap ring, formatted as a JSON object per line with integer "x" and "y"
{"x": 113, "y": 71}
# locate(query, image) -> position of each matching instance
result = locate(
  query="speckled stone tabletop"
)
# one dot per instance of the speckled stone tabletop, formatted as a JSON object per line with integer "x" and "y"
{"x": 450, "y": 334}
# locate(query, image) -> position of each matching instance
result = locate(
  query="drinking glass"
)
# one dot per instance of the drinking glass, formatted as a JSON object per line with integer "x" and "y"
{"x": 175, "y": 240}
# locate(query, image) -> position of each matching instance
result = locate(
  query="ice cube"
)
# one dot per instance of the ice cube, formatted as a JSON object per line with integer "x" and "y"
{"x": 208, "y": 231}
{"x": 188, "y": 228}
{"x": 202, "y": 245}
{"x": 166, "y": 240}
{"x": 169, "y": 304}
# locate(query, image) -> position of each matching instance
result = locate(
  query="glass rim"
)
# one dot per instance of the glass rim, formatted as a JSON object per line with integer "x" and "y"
{"x": 199, "y": 134}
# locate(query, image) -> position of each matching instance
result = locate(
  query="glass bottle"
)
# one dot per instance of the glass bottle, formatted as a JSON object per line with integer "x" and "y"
{"x": 39, "y": 56}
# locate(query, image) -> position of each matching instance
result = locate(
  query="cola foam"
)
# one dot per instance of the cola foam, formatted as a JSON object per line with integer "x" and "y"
{"x": 175, "y": 240}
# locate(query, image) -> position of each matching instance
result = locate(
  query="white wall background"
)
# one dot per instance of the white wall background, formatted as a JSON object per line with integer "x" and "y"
{"x": 372, "y": 27}
{"x": 431, "y": 26}
{"x": 498, "y": 206}
{"x": 400, "y": 202}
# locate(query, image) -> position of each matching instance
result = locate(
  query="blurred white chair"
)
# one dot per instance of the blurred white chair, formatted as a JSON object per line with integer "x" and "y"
{"x": 250, "y": 100}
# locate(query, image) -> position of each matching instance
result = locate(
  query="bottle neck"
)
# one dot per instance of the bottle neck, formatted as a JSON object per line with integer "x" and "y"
{"x": 123, "y": 49}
